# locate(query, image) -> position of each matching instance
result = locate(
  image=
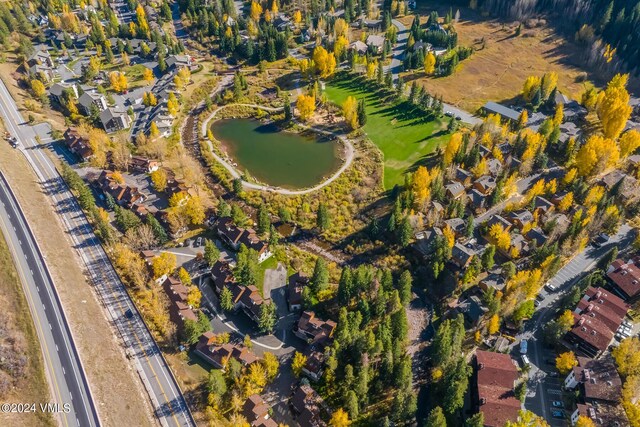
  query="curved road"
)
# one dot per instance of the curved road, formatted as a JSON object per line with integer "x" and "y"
{"x": 66, "y": 376}
{"x": 349, "y": 151}
{"x": 142, "y": 350}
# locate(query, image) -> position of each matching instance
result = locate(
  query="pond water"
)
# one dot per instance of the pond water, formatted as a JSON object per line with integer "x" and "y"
{"x": 274, "y": 157}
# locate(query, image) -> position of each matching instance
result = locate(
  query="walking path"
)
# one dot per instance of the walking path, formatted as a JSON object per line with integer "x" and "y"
{"x": 349, "y": 154}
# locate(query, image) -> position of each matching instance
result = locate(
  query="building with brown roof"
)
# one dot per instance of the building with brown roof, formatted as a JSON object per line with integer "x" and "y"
{"x": 598, "y": 316}
{"x": 308, "y": 406}
{"x": 256, "y": 412}
{"x": 492, "y": 388}
{"x": 78, "y": 145}
{"x": 179, "y": 310}
{"x": 312, "y": 329}
{"x": 598, "y": 380}
{"x": 219, "y": 355}
{"x": 314, "y": 366}
{"x": 602, "y": 415}
{"x": 235, "y": 236}
{"x": 142, "y": 164}
{"x": 297, "y": 283}
{"x": 251, "y": 301}
{"x": 624, "y": 277}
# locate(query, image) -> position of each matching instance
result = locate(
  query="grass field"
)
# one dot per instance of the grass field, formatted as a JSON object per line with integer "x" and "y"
{"x": 501, "y": 62}
{"x": 400, "y": 131}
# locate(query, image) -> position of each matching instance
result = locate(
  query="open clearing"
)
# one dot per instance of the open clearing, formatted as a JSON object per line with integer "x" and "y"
{"x": 497, "y": 71}
{"x": 19, "y": 335}
{"x": 401, "y": 132}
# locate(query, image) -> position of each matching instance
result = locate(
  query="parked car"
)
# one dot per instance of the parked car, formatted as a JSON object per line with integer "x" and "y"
{"x": 557, "y": 404}
{"x": 556, "y": 413}
{"x": 199, "y": 242}
{"x": 525, "y": 360}
{"x": 548, "y": 286}
{"x": 553, "y": 374}
{"x": 128, "y": 314}
{"x": 600, "y": 240}
{"x": 523, "y": 347}
{"x": 536, "y": 303}
{"x": 448, "y": 113}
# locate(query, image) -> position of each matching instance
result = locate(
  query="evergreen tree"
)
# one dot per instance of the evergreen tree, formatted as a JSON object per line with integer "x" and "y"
{"x": 320, "y": 278}
{"x": 322, "y": 219}
{"x": 362, "y": 112}
{"x": 211, "y": 252}
{"x": 263, "y": 219}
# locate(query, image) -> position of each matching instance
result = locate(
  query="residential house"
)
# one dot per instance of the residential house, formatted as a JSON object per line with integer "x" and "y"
{"x": 359, "y": 47}
{"x": 505, "y": 113}
{"x": 598, "y": 316}
{"x": 462, "y": 255}
{"x": 314, "y": 330}
{"x": 454, "y": 190}
{"x": 251, "y": 302}
{"x": 598, "y": 380}
{"x": 114, "y": 119}
{"x": 371, "y": 24}
{"x": 485, "y": 184}
{"x": 542, "y": 206}
{"x": 308, "y": 406}
{"x": 57, "y": 91}
{"x": 179, "y": 310}
{"x": 621, "y": 184}
{"x": 492, "y": 388}
{"x": 457, "y": 225}
{"x": 178, "y": 61}
{"x": 536, "y": 235}
{"x": 218, "y": 355}
{"x": 471, "y": 309}
{"x": 142, "y": 164}
{"x": 297, "y": 283}
{"x": 498, "y": 219}
{"x": 375, "y": 43}
{"x": 518, "y": 244}
{"x": 41, "y": 65}
{"x": 462, "y": 176}
{"x": 520, "y": 218}
{"x": 495, "y": 281}
{"x": 426, "y": 240}
{"x": 602, "y": 415}
{"x": 90, "y": 100}
{"x": 235, "y": 236}
{"x": 78, "y": 145}
{"x": 494, "y": 166}
{"x": 484, "y": 150}
{"x": 624, "y": 277}
{"x": 477, "y": 201}
{"x": 256, "y": 412}
{"x": 314, "y": 366}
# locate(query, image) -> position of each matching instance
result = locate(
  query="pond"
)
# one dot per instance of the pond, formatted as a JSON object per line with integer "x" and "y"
{"x": 274, "y": 157}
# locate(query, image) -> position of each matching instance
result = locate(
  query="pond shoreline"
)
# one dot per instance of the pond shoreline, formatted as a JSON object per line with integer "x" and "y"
{"x": 346, "y": 156}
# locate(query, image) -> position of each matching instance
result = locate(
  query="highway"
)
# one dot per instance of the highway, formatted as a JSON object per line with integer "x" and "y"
{"x": 67, "y": 379}
{"x": 166, "y": 398}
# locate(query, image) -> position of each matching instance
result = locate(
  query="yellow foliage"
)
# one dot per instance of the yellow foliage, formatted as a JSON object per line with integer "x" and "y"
{"x": 558, "y": 116}
{"x": 306, "y": 105}
{"x": 340, "y": 46}
{"x": 594, "y": 195}
{"x": 255, "y": 11}
{"x": 613, "y": 106}
{"x": 436, "y": 374}
{"x": 552, "y": 187}
{"x": 499, "y": 237}
{"x": 523, "y": 118}
{"x": 510, "y": 185}
{"x": 452, "y": 148}
{"x": 421, "y": 183}
{"x": 371, "y": 69}
{"x": 38, "y": 88}
{"x": 566, "y": 202}
{"x": 481, "y": 168}
{"x": 565, "y": 362}
{"x": 165, "y": 263}
{"x": 530, "y": 87}
{"x": 341, "y": 28}
{"x": 536, "y": 190}
{"x": 324, "y": 62}
{"x": 629, "y": 142}
{"x": 494, "y": 324}
{"x": 340, "y": 419}
{"x": 147, "y": 75}
{"x": 596, "y": 155}
{"x": 570, "y": 176}
{"x": 430, "y": 63}
{"x": 297, "y": 17}
{"x": 549, "y": 83}
{"x": 627, "y": 356}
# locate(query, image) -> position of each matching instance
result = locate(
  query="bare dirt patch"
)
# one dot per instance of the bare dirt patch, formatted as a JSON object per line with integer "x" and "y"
{"x": 497, "y": 69}
{"x": 111, "y": 377}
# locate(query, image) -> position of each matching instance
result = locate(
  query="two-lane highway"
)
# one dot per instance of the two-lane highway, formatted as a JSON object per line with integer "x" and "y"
{"x": 66, "y": 376}
{"x": 165, "y": 395}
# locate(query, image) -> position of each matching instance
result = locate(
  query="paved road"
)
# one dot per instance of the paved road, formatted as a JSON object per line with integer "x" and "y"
{"x": 166, "y": 398}
{"x": 543, "y": 387}
{"x": 65, "y": 371}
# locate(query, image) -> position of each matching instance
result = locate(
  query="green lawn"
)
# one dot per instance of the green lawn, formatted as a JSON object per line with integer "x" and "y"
{"x": 399, "y": 130}
{"x": 269, "y": 263}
